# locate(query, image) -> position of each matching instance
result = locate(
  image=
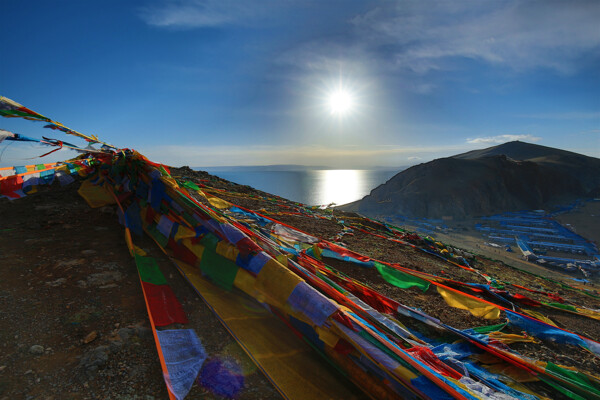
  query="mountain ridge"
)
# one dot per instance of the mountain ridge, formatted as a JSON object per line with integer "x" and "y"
{"x": 508, "y": 177}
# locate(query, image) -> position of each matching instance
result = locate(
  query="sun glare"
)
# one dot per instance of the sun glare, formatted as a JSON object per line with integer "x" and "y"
{"x": 341, "y": 102}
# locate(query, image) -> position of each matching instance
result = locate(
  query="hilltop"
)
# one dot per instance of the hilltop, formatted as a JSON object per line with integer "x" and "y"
{"x": 81, "y": 318}
{"x": 509, "y": 177}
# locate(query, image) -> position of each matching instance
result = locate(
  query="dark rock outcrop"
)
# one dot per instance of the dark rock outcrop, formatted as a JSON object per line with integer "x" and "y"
{"x": 509, "y": 177}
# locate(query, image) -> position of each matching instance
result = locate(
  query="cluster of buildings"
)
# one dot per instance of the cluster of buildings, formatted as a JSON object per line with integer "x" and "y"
{"x": 541, "y": 239}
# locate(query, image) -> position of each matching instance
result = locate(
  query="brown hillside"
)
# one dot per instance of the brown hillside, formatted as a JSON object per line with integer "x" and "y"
{"x": 513, "y": 176}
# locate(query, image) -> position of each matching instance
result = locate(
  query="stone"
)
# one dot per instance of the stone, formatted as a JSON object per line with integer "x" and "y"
{"x": 143, "y": 332}
{"x": 107, "y": 210}
{"x": 104, "y": 278}
{"x": 111, "y": 266}
{"x": 88, "y": 252}
{"x": 56, "y": 282}
{"x": 71, "y": 263}
{"x": 125, "y": 333}
{"x": 36, "y": 349}
{"x": 115, "y": 345}
{"x": 90, "y": 337}
{"x": 109, "y": 286}
{"x": 93, "y": 359}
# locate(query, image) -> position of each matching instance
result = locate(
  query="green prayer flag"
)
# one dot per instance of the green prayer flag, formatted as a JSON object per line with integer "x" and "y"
{"x": 331, "y": 283}
{"x": 164, "y": 208}
{"x": 560, "y": 388}
{"x": 401, "y": 279}
{"x": 583, "y": 383}
{"x": 490, "y": 328}
{"x": 188, "y": 217}
{"x": 190, "y": 185}
{"x": 149, "y": 270}
{"x": 495, "y": 284}
{"x": 219, "y": 269}
{"x": 563, "y": 306}
{"x": 159, "y": 237}
{"x": 163, "y": 171}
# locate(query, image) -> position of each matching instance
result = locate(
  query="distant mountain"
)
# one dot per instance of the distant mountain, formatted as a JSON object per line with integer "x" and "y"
{"x": 517, "y": 150}
{"x": 261, "y": 168}
{"x": 289, "y": 167}
{"x": 509, "y": 177}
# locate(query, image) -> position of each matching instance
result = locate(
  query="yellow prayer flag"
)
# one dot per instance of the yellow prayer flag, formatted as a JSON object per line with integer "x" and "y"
{"x": 328, "y": 337}
{"x": 589, "y": 313}
{"x": 184, "y": 232}
{"x": 218, "y": 203}
{"x": 476, "y": 307}
{"x": 508, "y": 338}
{"x": 95, "y": 195}
{"x": 195, "y": 248}
{"x": 276, "y": 282}
{"x": 539, "y": 316}
{"x": 244, "y": 281}
{"x": 227, "y": 250}
{"x": 215, "y": 201}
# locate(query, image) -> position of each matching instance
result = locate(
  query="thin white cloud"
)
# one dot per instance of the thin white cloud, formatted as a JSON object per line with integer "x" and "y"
{"x": 521, "y": 35}
{"x": 197, "y": 13}
{"x": 415, "y": 38}
{"x": 423, "y": 88}
{"x": 574, "y": 115}
{"x": 419, "y": 39}
{"x": 503, "y": 139}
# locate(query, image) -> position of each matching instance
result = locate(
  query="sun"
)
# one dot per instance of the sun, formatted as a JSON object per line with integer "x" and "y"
{"x": 341, "y": 102}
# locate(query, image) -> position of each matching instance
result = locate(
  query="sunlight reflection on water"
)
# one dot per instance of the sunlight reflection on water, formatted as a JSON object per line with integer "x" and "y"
{"x": 312, "y": 186}
{"x": 339, "y": 186}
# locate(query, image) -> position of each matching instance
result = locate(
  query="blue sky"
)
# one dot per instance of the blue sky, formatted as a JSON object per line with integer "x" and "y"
{"x": 220, "y": 82}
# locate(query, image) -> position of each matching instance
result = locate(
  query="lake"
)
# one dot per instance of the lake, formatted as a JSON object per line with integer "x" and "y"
{"x": 308, "y": 186}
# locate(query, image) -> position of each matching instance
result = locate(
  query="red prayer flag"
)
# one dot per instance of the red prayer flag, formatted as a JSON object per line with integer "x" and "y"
{"x": 11, "y": 184}
{"x": 165, "y": 309}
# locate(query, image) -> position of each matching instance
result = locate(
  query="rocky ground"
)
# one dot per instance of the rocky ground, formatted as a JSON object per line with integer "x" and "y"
{"x": 73, "y": 322}
{"x": 73, "y": 319}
